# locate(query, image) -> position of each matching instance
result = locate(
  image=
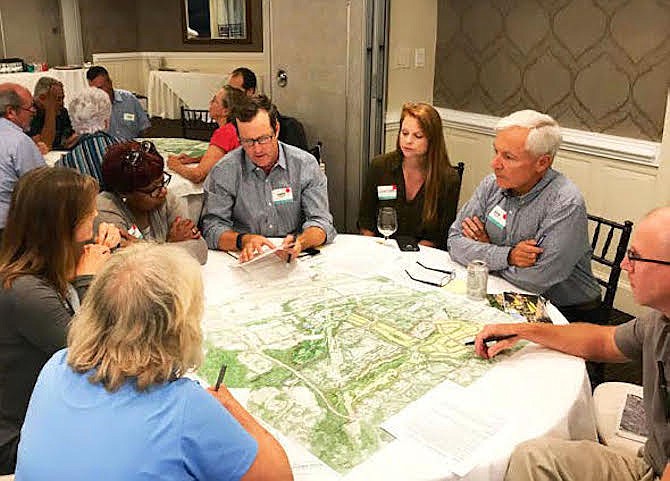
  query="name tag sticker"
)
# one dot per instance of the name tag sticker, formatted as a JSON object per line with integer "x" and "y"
{"x": 282, "y": 195}
{"x": 387, "y": 192}
{"x": 128, "y": 117}
{"x": 498, "y": 216}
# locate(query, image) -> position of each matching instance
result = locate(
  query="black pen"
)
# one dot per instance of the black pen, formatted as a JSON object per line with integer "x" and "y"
{"x": 540, "y": 240}
{"x": 219, "y": 379}
{"x": 491, "y": 339}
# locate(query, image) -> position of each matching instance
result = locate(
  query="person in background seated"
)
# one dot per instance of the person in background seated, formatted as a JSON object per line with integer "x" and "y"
{"x": 644, "y": 339}
{"x": 51, "y": 123}
{"x": 45, "y": 269}
{"x": 90, "y": 111}
{"x": 116, "y": 403}
{"x": 137, "y": 201}
{"x": 18, "y": 153}
{"x": 243, "y": 79}
{"x": 416, "y": 179}
{"x": 528, "y": 222}
{"x": 266, "y": 189}
{"x": 129, "y": 120}
{"x": 224, "y": 139}
{"x": 292, "y": 131}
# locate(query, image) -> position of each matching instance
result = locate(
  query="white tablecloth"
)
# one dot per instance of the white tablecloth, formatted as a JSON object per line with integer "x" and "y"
{"x": 544, "y": 392}
{"x": 73, "y": 80}
{"x": 170, "y": 90}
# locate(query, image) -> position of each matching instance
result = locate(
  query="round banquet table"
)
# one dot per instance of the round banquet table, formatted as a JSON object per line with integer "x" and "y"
{"x": 540, "y": 391}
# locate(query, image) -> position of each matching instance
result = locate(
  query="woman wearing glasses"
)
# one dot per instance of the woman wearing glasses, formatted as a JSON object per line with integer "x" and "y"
{"x": 45, "y": 269}
{"x": 224, "y": 139}
{"x": 137, "y": 201}
{"x": 416, "y": 179}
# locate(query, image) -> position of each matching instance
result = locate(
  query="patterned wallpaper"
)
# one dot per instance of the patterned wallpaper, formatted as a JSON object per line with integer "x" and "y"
{"x": 598, "y": 65}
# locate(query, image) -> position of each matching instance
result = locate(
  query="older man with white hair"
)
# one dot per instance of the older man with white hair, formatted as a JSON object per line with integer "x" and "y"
{"x": 90, "y": 111}
{"x": 528, "y": 221}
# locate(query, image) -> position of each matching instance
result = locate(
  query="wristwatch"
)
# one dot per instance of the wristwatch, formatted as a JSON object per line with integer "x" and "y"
{"x": 238, "y": 240}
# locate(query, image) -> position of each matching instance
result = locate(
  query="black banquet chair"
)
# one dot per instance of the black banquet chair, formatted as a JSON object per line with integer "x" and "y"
{"x": 608, "y": 244}
{"x": 197, "y": 124}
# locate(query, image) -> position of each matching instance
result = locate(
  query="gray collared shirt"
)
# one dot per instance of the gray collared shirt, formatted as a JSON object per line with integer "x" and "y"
{"x": 18, "y": 155}
{"x": 647, "y": 338}
{"x": 554, "y": 208}
{"x": 239, "y": 196}
{"x": 128, "y": 117}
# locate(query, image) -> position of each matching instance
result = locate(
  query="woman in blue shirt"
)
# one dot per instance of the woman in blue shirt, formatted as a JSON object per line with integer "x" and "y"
{"x": 116, "y": 404}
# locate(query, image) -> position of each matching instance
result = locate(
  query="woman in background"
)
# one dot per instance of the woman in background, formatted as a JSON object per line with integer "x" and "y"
{"x": 416, "y": 179}
{"x": 224, "y": 139}
{"x": 115, "y": 405}
{"x": 137, "y": 201}
{"x": 90, "y": 111}
{"x": 45, "y": 269}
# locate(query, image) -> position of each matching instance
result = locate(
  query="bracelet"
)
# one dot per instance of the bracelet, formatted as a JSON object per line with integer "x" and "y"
{"x": 238, "y": 240}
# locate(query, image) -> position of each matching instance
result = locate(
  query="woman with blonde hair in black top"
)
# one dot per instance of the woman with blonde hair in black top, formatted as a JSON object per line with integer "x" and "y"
{"x": 416, "y": 179}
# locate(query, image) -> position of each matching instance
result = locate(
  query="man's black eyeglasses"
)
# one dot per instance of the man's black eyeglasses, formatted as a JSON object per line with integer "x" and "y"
{"x": 450, "y": 275}
{"x": 155, "y": 191}
{"x": 632, "y": 256}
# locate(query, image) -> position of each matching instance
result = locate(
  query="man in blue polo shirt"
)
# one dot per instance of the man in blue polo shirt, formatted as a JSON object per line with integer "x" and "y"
{"x": 18, "y": 153}
{"x": 128, "y": 119}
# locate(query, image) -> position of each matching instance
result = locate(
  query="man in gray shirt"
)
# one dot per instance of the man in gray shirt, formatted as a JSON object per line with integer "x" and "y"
{"x": 18, "y": 153}
{"x": 265, "y": 189}
{"x": 646, "y": 339}
{"x": 528, "y": 222}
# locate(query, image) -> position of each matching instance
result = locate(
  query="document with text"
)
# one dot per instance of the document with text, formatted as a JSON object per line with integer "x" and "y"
{"x": 449, "y": 422}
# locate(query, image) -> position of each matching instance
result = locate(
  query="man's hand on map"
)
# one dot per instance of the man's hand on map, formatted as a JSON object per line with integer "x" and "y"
{"x": 290, "y": 248}
{"x": 474, "y": 229}
{"x": 252, "y": 245}
{"x": 495, "y": 330}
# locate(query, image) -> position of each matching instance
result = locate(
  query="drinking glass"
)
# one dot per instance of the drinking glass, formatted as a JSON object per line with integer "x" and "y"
{"x": 387, "y": 222}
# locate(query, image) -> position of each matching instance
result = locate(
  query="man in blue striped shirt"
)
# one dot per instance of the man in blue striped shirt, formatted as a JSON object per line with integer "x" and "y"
{"x": 265, "y": 189}
{"x": 525, "y": 203}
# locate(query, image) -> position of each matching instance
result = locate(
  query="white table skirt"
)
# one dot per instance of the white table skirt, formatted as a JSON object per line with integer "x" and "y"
{"x": 74, "y": 81}
{"x": 543, "y": 391}
{"x": 170, "y": 90}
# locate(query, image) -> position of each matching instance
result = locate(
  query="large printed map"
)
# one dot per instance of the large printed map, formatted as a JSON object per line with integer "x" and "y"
{"x": 330, "y": 358}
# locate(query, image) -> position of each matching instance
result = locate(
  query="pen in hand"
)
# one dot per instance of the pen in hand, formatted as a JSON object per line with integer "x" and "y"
{"x": 491, "y": 339}
{"x": 219, "y": 379}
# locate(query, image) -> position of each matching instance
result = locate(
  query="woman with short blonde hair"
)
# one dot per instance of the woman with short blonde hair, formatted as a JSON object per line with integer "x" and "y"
{"x": 155, "y": 336}
{"x": 121, "y": 383}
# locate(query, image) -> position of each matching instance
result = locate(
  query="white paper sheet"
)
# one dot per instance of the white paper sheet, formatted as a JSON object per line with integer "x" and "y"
{"x": 450, "y": 422}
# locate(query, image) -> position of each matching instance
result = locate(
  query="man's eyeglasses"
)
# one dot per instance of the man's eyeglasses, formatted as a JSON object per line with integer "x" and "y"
{"x": 155, "y": 191}
{"x": 633, "y": 257}
{"x": 441, "y": 282}
{"x": 31, "y": 109}
{"x": 262, "y": 140}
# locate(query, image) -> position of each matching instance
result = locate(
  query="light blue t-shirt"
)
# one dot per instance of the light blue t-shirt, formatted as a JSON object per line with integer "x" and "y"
{"x": 18, "y": 155}
{"x": 128, "y": 117}
{"x": 76, "y": 430}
